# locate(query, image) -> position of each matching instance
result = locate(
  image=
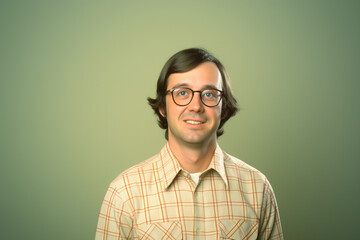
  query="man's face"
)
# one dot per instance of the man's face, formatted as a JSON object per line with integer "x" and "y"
{"x": 194, "y": 123}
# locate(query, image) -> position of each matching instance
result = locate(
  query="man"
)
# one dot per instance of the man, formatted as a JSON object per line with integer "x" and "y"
{"x": 191, "y": 189}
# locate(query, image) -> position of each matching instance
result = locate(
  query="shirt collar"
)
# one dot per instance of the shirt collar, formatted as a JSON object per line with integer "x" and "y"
{"x": 217, "y": 163}
{"x": 171, "y": 166}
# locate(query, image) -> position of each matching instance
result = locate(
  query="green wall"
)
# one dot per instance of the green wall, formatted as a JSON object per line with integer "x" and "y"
{"x": 75, "y": 75}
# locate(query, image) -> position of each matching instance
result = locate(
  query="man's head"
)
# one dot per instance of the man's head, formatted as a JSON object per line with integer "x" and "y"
{"x": 198, "y": 70}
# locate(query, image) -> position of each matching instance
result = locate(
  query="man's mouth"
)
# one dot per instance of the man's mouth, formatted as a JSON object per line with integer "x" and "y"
{"x": 193, "y": 122}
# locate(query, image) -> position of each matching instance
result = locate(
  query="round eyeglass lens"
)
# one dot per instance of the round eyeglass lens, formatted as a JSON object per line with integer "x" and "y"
{"x": 210, "y": 97}
{"x": 182, "y": 96}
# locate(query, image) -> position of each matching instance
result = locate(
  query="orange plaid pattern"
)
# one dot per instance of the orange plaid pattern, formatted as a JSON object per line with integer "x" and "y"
{"x": 156, "y": 199}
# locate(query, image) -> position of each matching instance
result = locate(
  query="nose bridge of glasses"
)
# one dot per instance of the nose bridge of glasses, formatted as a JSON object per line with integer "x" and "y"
{"x": 200, "y": 100}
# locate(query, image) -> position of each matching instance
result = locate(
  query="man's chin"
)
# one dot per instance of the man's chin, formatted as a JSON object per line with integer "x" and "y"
{"x": 197, "y": 140}
{"x": 193, "y": 138}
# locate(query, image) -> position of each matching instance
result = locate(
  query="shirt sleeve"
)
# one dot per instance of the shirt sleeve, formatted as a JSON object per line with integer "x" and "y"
{"x": 115, "y": 219}
{"x": 270, "y": 225}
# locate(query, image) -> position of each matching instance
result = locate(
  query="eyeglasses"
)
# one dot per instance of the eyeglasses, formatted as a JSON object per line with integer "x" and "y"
{"x": 183, "y": 96}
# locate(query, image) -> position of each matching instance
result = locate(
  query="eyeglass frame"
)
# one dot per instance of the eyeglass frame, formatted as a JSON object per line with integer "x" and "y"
{"x": 193, "y": 94}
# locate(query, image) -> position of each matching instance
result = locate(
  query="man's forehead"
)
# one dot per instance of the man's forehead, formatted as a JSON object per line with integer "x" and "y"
{"x": 204, "y": 75}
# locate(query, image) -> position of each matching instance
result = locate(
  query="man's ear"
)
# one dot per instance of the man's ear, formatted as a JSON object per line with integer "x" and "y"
{"x": 162, "y": 112}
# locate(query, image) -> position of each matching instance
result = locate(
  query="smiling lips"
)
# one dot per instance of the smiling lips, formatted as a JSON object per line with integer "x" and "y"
{"x": 195, "y": 122}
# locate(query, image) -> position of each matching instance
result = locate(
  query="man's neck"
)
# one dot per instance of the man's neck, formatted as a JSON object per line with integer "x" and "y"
{"x": 193, "y": 157}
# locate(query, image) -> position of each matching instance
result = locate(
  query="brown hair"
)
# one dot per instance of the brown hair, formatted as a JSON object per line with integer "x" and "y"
{"x": 184, "y": 61}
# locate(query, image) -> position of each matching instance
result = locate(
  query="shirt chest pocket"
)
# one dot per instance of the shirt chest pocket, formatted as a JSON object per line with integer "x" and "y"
{"x": 238, "y": 229}
{"x": 163, "y": 230}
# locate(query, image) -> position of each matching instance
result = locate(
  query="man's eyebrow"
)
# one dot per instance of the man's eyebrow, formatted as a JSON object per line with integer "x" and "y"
{"x": 208, "y": 86}
{"x": 180, "y": 85}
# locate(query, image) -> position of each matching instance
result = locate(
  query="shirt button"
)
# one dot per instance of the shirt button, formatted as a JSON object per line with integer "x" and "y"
{"x": 197, "y": 230}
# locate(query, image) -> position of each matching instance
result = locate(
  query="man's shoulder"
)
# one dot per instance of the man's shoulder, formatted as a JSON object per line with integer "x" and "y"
{"x": 240, "y": 169}
{"x": 134, "y": 173}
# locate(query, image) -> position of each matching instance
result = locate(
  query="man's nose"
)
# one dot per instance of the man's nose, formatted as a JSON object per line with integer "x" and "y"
{"x": 196, "y": 103}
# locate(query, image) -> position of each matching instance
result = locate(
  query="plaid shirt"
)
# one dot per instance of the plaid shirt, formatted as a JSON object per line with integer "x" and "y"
{"x": 156, "y": 199}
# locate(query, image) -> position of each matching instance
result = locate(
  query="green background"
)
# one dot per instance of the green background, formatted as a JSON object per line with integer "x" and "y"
{"x": 74, "y": 80}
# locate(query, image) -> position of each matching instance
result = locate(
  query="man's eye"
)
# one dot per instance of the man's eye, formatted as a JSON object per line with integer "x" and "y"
{"x": 209, "y": 95}
{"x": 182, "y": 93}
